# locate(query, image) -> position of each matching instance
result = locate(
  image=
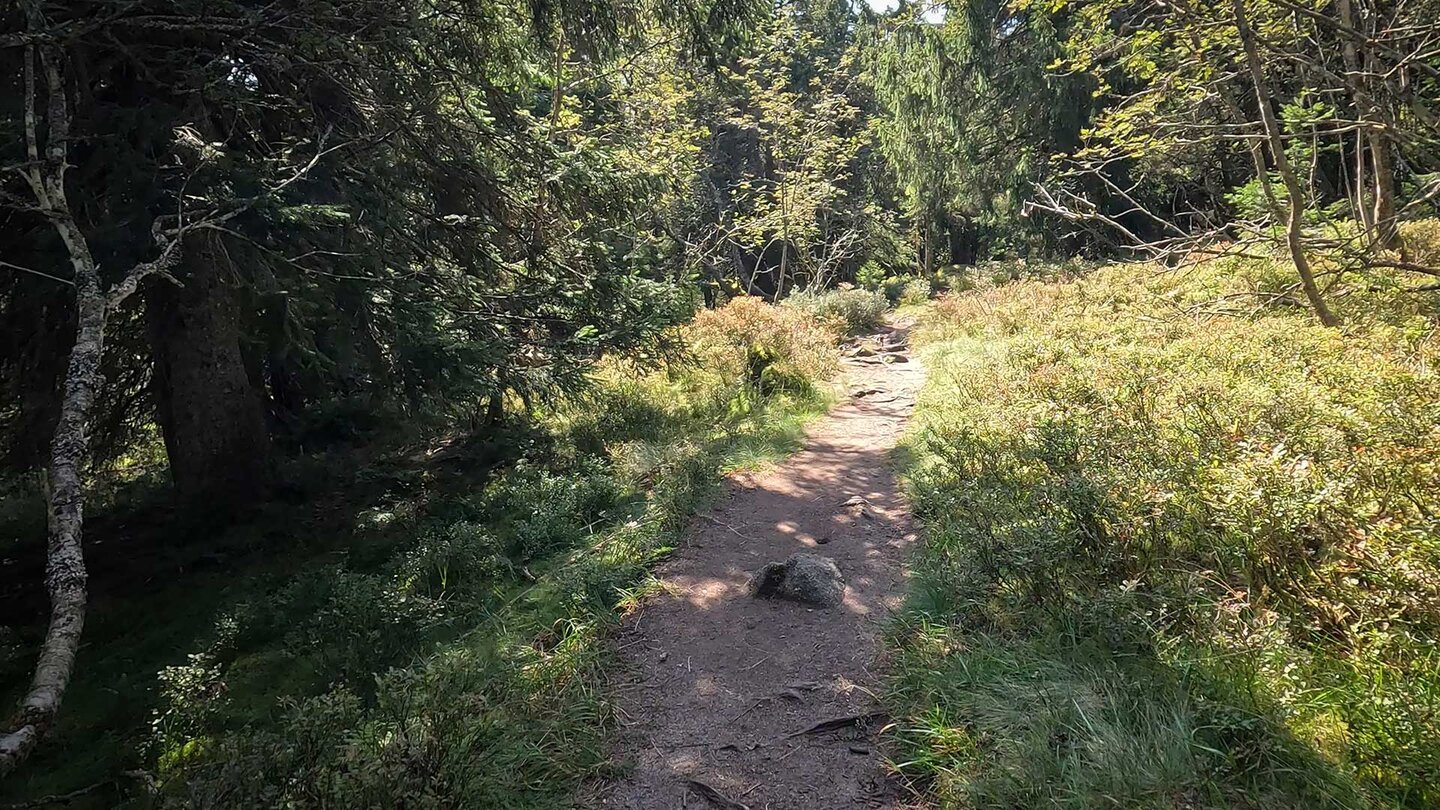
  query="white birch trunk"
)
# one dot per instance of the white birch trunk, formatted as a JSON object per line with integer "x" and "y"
{"x": 65, "y": 565}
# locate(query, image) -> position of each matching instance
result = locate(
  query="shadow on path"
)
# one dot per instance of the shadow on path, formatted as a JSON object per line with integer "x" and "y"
{"x": 717, "y": 684}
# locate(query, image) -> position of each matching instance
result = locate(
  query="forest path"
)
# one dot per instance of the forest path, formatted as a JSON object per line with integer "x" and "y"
{"x": 722, "y": 692}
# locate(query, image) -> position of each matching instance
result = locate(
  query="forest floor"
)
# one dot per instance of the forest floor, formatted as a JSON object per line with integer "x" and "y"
{"x": 732, "y": 701}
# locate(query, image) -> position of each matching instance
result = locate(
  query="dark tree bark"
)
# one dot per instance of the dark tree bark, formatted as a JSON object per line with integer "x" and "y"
{"x": 927, "y": 245}
{"x": 961, "y": 238}
{"x": 210, "y": 413}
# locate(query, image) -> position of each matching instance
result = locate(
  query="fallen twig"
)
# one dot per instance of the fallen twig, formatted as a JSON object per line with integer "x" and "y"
{"x": 714, "y": 796}
{"x": 836, "y": 723}
{"x": 733, "y": 530}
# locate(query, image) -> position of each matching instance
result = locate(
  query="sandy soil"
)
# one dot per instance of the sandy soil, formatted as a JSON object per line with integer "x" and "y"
{"x": 721, "y": 692}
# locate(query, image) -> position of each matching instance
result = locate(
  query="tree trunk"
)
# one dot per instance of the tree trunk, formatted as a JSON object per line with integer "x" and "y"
{"x": 784, "y": 269}
{"x": 928, "y": 246}
{"x": 1362, "y": 187}
{"x": 65, "y": 576}
{"x": 1294, "y": 227}
{"x": 1379, "y": 220}
{"x": 960, "y": 238}
{"x": 211, "y": 415}
{"x": 1351, "y": 56}
{"x": 65, "y": 564}
{"x": 1387, "y": 228}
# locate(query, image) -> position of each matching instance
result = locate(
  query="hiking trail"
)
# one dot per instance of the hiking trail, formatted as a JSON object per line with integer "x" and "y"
{"x": 729, "y": 701}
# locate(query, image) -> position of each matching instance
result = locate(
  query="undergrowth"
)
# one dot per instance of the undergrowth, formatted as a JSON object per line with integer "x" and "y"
{"x": 847, "y": 311}
{"x": 1181, "y": 548}
{"x": 445, "y": 649}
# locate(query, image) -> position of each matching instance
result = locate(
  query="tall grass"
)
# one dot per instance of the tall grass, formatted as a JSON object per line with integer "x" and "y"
{"x": 1182, "y": 546}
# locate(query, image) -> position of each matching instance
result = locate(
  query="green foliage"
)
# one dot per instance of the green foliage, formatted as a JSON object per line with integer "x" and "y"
{"x": 487, "y": 249}
{"x": 791, "y": 97}
{"x": 970, "y": 112}
{"x": 1174, "y": 559}
{"x": 1058, "y": 721}
{"x": 898, "y": 290}
{"x": 913, "y": 292}
{"x": 846, "y": 311}
{"x": 768, "y": 345}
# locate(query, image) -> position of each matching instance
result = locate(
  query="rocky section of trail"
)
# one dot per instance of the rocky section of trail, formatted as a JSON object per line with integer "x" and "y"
{"x": 734, "y": 701}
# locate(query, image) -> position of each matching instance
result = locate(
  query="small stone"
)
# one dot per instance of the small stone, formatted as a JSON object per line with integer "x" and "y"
{"x": 802, "y": 578}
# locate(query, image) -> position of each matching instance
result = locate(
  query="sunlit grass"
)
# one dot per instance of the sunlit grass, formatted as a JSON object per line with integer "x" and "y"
{"x": 1180, "y": 549}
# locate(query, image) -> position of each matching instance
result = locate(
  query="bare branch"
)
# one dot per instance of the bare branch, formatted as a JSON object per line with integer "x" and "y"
{"x": 34, "y": 272}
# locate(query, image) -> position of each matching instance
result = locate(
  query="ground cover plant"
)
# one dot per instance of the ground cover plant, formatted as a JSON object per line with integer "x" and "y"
{"x": 849, "y": 311}
{"x": 1182, "y": 544}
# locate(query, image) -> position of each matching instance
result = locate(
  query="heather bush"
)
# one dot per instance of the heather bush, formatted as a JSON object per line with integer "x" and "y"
{"x": 1182, "y": 545}
{"x": 775, "y": 348}
{"x": 913, "y": 292}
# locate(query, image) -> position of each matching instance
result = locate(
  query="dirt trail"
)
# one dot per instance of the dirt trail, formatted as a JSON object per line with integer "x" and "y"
{"x": 717, "y": 684}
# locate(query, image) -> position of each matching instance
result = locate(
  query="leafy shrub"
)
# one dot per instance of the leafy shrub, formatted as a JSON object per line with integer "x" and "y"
{"x": 1422, "y": 241}
{"x": 776, "y": 348}
{"x": 544, "y": 512}
{"x": 846, "y": 311}
{"x": 914, "y": 291}
{"x": 365, "y": 621}
{"x": 459, "y": 554}
{"x": 872, "y": 276}
{"x": 1222, "y": 524}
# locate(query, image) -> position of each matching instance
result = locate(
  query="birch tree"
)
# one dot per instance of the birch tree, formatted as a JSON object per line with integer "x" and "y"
{"x": 44, "y": 172}
{"x": 791, "y": 97}
{"x": 47, "y": 120}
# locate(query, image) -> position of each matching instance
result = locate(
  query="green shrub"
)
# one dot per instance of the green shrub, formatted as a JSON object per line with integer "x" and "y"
{"x": 1422, "y": 241}
{"x": 773, "y": 347}
{"x": 846, "y": 311}
{"x": 871, "y": 276}
{"x": 915, "y": 291}
{"x": 542, "y": 511}
{"x": 1229, "y": 511}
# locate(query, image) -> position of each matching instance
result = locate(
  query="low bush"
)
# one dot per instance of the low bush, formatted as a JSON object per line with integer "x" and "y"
{"x": 776, "y": 348}
{"x": 913, "y": 292}
{"x": 1181, "y": 546}
{"x": 846, "y": 311}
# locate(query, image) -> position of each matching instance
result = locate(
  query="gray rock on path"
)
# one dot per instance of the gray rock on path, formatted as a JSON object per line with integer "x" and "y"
{"x": 802, "y": 578}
